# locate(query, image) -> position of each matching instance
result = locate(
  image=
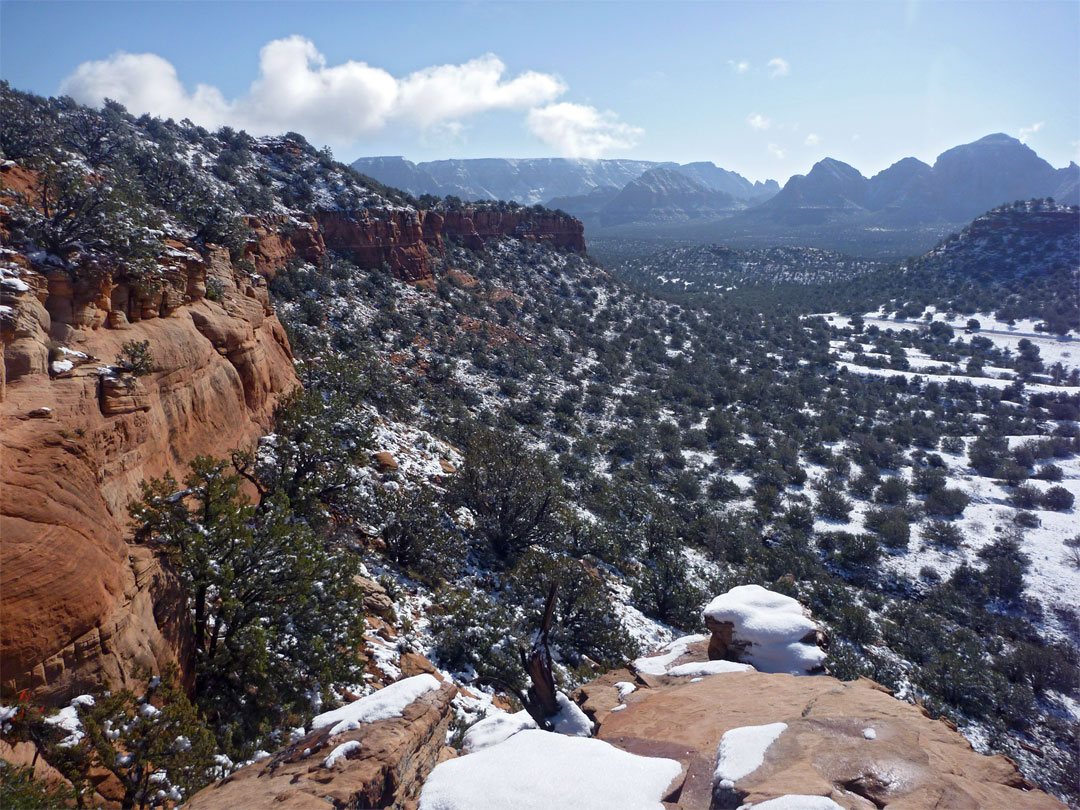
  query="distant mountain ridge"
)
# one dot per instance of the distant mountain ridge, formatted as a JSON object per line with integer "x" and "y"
{"x": 900, "y": 211}
{"x": 665, "y": 194}
{"x": 963, "y": 182}
{"x": 540, "y": 180}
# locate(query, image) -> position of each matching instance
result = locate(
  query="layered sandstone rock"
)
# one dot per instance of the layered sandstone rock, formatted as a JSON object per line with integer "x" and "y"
{"x": 401, "y": 238}
{"x": 81, "y": 608}
{"x": 850, "y": 742}
{"x": 382, "y": 764}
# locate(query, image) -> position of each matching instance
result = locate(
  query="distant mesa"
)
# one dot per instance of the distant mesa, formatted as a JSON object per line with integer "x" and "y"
{"x": 900, "y": 211}
{"x": 556, "y": 182}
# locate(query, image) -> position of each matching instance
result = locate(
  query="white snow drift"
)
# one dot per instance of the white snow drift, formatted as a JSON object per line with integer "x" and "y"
{"x": 500, "y": 726}
{"x": 537, "y": 770}
{"x": 742, "y": 751}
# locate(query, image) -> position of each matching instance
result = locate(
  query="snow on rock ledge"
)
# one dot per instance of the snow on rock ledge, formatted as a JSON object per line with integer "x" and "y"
{"x": 382, "y": 705}
{"x": 764, "y": 628}
{"x": 500, "y": 726}
{"x": 381, "y": 763}
{"x": 538, "y": 770}
{"x": 658, "y": 663}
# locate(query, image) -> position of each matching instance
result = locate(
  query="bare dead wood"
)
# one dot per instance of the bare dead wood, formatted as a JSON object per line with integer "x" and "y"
{"x": 542, "y": 702}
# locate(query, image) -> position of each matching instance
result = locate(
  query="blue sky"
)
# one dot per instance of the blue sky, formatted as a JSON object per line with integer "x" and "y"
{"x": 763, "y": 88}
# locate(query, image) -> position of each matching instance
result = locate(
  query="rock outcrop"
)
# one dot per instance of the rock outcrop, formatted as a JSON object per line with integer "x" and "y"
{"x": 850, "y": 742}
{"x": 766, "y": 629}
{"x": 401, "y": 238}
{"x": 82, "y": 608}
{"x": 381, "y": 764}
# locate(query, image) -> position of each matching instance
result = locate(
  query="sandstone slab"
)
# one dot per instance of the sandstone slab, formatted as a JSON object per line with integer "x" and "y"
{"x": 385, "y": 768}
{"x": 912, "y": 762}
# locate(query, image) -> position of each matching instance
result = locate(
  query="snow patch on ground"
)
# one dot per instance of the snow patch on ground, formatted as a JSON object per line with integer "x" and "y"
{"x": 742, "y": 750}
{"x": 499, "y": 726}
{"x": 796, "y": 802}
{"x": 340, "y": 753}
{"x": 697, "y": 669}
{"x": 589, "y": 775}
{"x": 571, "y": 719}
{"x": 496, "y": 728}
{"x": 658, "y": 664}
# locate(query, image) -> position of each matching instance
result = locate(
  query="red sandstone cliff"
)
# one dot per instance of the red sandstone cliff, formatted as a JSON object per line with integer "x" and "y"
{"x": 402, "y": 238}
{"x": 80, "y": 606}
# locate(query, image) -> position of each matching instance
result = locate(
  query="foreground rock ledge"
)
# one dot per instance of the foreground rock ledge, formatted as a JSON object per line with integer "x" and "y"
{"x": 385, "y": 771}
{"x": 913, "y": 762}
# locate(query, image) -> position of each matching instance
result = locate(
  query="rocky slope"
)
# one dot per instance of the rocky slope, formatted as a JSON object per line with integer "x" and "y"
{"x": 70, "y": 472}
{"x": 99, "y": 254}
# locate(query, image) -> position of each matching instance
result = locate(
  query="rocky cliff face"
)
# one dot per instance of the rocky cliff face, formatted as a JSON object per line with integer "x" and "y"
{"x": 82, "y": 607}
{"x": 402, "y": 238}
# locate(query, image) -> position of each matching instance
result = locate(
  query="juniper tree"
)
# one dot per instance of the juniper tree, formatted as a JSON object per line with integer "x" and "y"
{"x": 274, "y": 613}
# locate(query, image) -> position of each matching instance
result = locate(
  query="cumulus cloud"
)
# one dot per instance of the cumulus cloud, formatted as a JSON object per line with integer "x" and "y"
{"x": 297, "y": 90}
{"x": 813, "y": 139}
{"x": 1027, "y": 132}
{"x": 144, "y": 82}
{"x": 742, "y": 66}
{"x": 778, "y": 67}
{"x": 580, "y": 131}
{"x": 758, "y": 121}
{"x": 776, "y": 151}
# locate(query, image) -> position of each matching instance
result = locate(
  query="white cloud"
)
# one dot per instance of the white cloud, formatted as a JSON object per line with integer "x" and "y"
{"x": 297, "y": 90}
{"x": 776, "y": 151}
{"x": 742, "y": 66}
{"x": 449, "y": 92}
{"x": 577, "y": 130}
{"x": 778, "y": 67}
{"x": 813, "y": 139}
{"x": 1027, "y": 132}
{"x": 144, "y": 82}
{"x": 758, "y": 121}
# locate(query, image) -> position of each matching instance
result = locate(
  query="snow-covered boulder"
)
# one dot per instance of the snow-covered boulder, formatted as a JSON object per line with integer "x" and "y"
{"x": 537, "y": 770}
{"x": 766, "y": 629}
